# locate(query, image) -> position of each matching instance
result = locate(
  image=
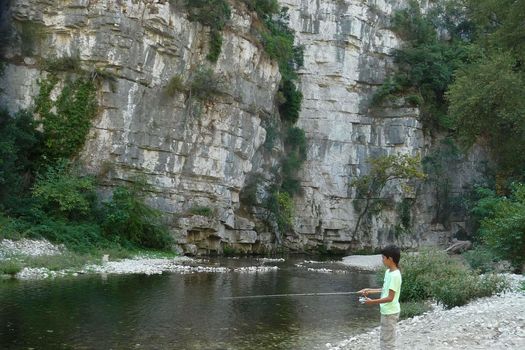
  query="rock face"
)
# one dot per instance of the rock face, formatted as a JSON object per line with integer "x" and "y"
{"x": 201, "y": 154}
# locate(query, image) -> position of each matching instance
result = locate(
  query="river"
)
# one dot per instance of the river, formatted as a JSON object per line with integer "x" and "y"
{"x": 188, "y": 311}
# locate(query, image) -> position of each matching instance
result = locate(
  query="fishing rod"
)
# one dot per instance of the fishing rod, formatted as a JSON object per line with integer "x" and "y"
{"x": 288, "y": 295}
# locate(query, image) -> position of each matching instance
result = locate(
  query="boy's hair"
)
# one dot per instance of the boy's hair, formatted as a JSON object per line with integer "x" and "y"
{"x": 393, "y": 252}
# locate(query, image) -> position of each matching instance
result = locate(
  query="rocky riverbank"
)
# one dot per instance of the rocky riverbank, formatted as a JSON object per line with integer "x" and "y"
{"x": 496, "y": 322}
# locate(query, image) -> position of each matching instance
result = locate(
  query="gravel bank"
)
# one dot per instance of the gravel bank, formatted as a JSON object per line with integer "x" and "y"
{"x": 497, "y": 322}
{"x": 139, "y": 265}
{"x": 363, "y": 262}
{"x": 29, "y": 247}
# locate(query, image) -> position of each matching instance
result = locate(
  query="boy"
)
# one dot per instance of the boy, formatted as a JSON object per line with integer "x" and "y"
{"x": 389, "y": 301}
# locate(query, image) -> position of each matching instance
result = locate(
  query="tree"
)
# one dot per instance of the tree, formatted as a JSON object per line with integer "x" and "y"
{"x": 486, "y": 101}
{"x": 384, "y": 169}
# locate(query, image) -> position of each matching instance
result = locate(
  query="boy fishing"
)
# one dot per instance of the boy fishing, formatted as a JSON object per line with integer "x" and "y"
{"x": 389, "y": 300}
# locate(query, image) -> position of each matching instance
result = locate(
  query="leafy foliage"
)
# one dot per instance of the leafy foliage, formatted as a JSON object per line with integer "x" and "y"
{"x": 278, "y": 42}
{"x": 205, "y": 84}
{"x": 498, "y": 25}
{"x": 291, "y": 106}
{"x": 20, "y": 151}
{"x": 203, "y": 211}
{"x": 483, "y": 259}
{"x": 67, "y": 120}
{"x": 413, "y": 308}
{"x": 432, "y": 274}
{"x": 503, "y": 226}
{"x": 486, "y": 100}
{"x": 382, "y": 170}
{"x": 263, "y": 8}
{"x": 61, "y": 192}
{"x": 211, "y": 13}
{"x": 83, "y": 237}
{"x": 62, "y": 64}
{"x": 128, "y": 218}
{"x": 175, "y": 85}
{"x": 295, "y": 147}
{"x": 280, "y": 204}
{"x": 426, "y": 63}
{"x": 215, "y": 46}
{"x": 214, "y": 14}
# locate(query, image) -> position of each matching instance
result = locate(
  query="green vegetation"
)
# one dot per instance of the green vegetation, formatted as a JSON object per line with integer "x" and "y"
{"x": 228, "y": 250}
{"x": 67, "y": 120}
{"x": 30, "y": 33}
{"x": 65, "y": 209}
{"x": 214, "y": 14}
{"x": 293, "y": 97}
{"x": 278, "y": 42}
{"x": 482, "y": 259}
{"x": 202, "y": 211}
{"x": 128, "y": 219}
{"x": 486, "y": 100}
{"x": 280, "y": 205}
{"x": 434, "y": 275}
{"x": 215, "y": 46}
{"x": 413, "y": 308}
{"x": 383, "y": 169}
{"x": 20, "y": 153}
{"x": 295, "y": 148}
{"x": 63, "y": 193}
{"x": 462, "y": 64}
{"x": 426, "y": 64}
{"x": 10, "y": 267}
{"x": 175, "y": 85}
{"x": 43, "y": 194}
{"x": 502, "y": 224}
{"x": 62, "y": 64}
{"x": 262, "y": 7}
{"x": 202, "y": 87}
{"x": 204, "y": 84}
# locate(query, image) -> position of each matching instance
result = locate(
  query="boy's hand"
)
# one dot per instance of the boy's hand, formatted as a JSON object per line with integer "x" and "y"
{"x": 368, "y": 301}
{"x": 364, "y": 291}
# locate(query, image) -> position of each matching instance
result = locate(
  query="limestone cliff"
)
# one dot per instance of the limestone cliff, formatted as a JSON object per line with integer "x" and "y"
{"x": 203, "y": 154}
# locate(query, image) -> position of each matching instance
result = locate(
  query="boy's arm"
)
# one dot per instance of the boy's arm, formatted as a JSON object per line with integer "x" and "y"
{"x": 387, "y": 299}
{"x": 367, "y": 291}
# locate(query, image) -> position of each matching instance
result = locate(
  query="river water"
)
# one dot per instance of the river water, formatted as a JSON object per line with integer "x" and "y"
{"x": 188, "y": 311}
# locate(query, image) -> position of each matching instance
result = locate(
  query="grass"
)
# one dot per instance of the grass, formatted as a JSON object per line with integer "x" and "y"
{"x": 10, "y": 267}
{"x": 203, "y": 211}
{"x": 175, "y": 85}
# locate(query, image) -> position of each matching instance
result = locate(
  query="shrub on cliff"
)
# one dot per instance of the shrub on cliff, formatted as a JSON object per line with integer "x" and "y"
{"x": 214, "y": 14}
{"x": 263, "y": 7}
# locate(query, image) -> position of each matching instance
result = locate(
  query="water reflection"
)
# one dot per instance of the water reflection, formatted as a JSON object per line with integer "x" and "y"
{"x": 176, "y": 311}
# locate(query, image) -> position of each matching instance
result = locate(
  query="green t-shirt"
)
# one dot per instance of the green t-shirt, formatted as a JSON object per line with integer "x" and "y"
{"x": 392, "y": 281}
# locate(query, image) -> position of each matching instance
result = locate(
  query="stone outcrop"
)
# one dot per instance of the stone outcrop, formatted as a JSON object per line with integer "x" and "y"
{"x": 202, "y": 154}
